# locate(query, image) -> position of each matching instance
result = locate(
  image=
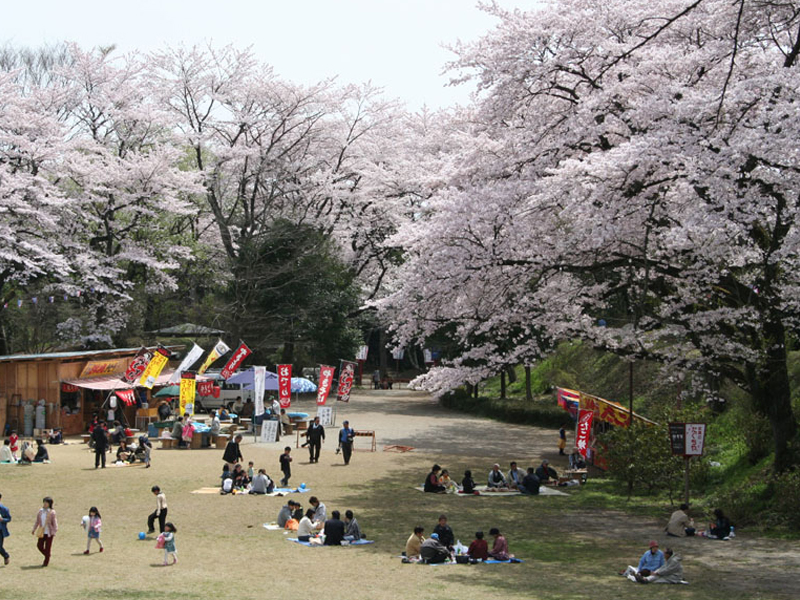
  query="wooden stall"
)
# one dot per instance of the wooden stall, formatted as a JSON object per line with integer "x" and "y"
{"x": 27, "y": 379}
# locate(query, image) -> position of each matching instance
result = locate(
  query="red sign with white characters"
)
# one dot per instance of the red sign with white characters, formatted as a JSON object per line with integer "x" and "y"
{"x": 235, "y": 361}
{"x": 325, "y": 381}
{"x": 584, "y": 431}
{"x": 285, "y": 385}
{"x": 346, "y": 375}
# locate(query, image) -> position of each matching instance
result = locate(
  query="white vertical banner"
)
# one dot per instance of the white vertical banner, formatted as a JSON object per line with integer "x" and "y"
{"x": 192, "y": 357}
{"x": 259, "y": 379}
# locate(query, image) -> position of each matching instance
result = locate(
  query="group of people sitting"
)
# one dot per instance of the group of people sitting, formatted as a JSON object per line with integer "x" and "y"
{"x": 12, "y": 453}
{"x": 439, "y": 481}
{"x": 441, "y": 546}
{"x": 237, "y": 480}
{"x": 682, "y": 525}
{"x": 314, "y": 525}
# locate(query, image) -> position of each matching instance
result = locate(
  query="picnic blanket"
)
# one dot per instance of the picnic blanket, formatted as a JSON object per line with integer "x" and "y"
{"x": 276, "y": 492}
{"x": 491, "y": 561}
{"x": 543, "y": 491}
{"x": 310, "y": 545}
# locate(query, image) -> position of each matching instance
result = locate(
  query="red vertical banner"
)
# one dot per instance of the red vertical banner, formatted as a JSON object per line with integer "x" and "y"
{"x": 584, "y": 431}
{"x": 285, "y": 385}
{"x": 324, "y": 386}
{"x": 235, "y": 361}
{"x": 347, "y": 373}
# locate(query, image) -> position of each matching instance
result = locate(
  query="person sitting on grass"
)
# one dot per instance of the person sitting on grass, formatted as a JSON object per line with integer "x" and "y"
{"x": 239, "y": 476}
{"x": 42, "y": 456}
{"x": 720, "y": 529}
{"x": 334, "y": 530}
{"x": 497, "y": 481}
{"x": 651, "y": 560}
{"x": 670, "y": 572}
{"x": 514, "y": 477}
{"x": 680, "y": 524}
{"x": 306, "y": 528}
{"x": 286, "y": 512}
{"x": 261, "y": 483}
{"x": 546, "y": 473}
{"x": 468, "y": 483}
{"x": 499, "y": 549}
{"x": 414, "y": 542}
{"x": 448, "y": 484}
{"x": 352, "y": 530}
{"x": 530, "y": 483}
{"x": 432, "y": 484}
{"x": 478, "y": 549}
{"x": 432, "y": 551}
{"x": 444, "y": 533}
{"x": 124, "y": 454}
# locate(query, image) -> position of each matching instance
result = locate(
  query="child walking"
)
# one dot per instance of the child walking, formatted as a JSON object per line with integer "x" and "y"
{"x": 169, "y": 543}
{"x": 93, "y": 527}
{"x": 286, "y": 466}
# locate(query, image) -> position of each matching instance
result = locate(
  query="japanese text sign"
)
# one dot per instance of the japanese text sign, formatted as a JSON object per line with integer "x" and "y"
{"x": 285, "y": 385}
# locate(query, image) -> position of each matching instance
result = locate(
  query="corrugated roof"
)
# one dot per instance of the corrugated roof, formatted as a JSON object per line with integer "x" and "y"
{"x": 74, "y": 355}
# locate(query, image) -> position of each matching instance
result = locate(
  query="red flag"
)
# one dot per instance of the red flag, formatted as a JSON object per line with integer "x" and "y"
{"x": 126, "y": 396}
{"x": 346, "y": 375}
{"x": 324, "y": 387}
{"x": 235, "y": 361}
{"x": 285, "y": 385}
{"x": 205, "y": 388}
{"x": 584, "y": 431}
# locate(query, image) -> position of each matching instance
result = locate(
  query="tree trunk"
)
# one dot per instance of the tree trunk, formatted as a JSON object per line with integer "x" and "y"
{"x": 512, "y": 374}
{"x": 503, "y": 384}
{"x": 287, "y": 355}
{"x": 383, "y": 362}
{"x": 528, "y": 392}
{"x": 769, "y": 384}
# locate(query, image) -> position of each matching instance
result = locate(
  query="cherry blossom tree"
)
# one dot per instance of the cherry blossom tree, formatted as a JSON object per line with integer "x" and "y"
{"x": 634, "y": 165}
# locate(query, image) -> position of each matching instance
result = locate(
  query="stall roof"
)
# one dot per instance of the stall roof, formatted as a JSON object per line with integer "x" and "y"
{"x": 187, "y": 329}
{"x": 77, "y": 355}
{"x": 114, "y": 382}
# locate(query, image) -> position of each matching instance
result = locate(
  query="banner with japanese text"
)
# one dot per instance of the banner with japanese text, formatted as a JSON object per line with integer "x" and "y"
{"x": 324, "y": 385}
{"x": 137, "y": 366}
{"x": 583, "y": 435}
{"x": 363, "y": 351}
{"x": 219, "y": 349}
{"x": 99, "y": 368}
{"x": 259, "y": 379}
{"x": 154, "y": 368}
{"x": 285, "y": 385}
{"x": 187, "y": 393}
{"x": 235, "y": 361}
{"x": 346, "y": 375}
{"x": 191, "y": 357}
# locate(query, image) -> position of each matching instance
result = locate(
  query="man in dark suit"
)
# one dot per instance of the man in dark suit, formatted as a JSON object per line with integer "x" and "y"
{"x": 315, "y": 434}
{"x": 100, "y": 439}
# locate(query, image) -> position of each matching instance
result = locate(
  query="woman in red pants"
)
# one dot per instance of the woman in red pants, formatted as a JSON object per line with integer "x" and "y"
{"x": 45, "y": 528}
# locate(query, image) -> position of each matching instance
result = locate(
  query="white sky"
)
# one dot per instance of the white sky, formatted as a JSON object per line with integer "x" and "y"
{"x": 395, "y": 44}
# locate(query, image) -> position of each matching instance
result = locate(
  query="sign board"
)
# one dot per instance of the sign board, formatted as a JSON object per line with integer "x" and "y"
{"x": 269, "y": 432}
{"x": 325, "y": 414}
{"x": 99, "y": 368}
{"x": 687, "y": 439}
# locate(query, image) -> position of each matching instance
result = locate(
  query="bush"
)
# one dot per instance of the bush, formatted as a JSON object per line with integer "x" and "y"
{"x": 787, "y": 498}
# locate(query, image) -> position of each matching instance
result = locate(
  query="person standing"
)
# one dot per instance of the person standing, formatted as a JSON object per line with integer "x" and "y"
{"x": 100, "y": 440}
{"x": 159, "y": 513}
{"x": 93, "y": 528}
{"x": 44, "y": 528}
{"x": 286, "y": 465}
{"x": 5, "y": 517}
{"x": 562, "y": 440}
{"x": 232, "y": 454}
{"x": 346, "y": 435}
{"x": 315, "y": 434}
{"x": 376, "y": 379}
{"x": 169, "y": 543}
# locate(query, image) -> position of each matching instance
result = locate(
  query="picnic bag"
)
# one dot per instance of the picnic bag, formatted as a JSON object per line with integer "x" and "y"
{"x": 160, "y": 541}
